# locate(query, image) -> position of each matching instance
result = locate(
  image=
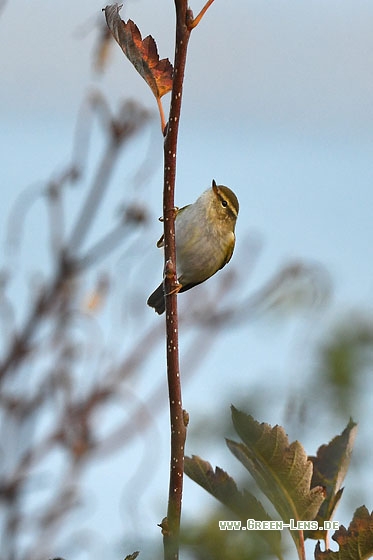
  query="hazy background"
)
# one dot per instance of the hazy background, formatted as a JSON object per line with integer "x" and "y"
{"x": 277, "y": 105}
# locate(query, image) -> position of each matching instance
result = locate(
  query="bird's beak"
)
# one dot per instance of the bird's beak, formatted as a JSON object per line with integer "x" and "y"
{"x": 214, "y": 187}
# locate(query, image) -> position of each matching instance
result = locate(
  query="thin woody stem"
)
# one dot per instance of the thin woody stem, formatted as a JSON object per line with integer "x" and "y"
{"x": 171, "y": 525}
{"x": 198, "y": 18}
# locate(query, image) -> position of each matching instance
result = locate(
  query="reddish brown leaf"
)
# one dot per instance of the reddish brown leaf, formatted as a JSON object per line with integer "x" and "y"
{"x": 355, "y": 543}
{"x": 142, "y": 53}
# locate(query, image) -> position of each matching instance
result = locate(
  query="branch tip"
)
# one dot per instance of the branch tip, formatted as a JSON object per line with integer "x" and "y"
{"x": 198, "y": 18}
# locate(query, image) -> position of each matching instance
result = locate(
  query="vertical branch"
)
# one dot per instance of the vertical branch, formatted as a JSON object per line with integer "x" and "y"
{"x": 171, "y": 528}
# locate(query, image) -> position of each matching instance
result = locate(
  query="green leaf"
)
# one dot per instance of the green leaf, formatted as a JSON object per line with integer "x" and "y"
{"x": 329, "y": 470}
{"x": 220, "y": 485}
{"x": 355, "y": 543}
{"x": 282, "y": 470}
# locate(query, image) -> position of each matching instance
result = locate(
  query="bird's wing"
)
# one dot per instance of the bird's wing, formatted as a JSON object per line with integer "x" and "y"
{"x": 229, "y": 254}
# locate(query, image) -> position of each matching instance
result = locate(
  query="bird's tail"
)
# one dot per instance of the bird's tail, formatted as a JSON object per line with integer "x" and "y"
{"x": 156, "y": 300}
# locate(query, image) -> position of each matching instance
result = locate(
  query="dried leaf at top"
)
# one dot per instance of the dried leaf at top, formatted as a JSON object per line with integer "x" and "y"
{"x": 142, "y": 53}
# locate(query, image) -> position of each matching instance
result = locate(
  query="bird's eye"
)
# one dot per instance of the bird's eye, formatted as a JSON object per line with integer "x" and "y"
{"x": 224, "y": 203}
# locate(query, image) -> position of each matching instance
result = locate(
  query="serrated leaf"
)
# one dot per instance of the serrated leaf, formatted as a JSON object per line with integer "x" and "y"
{"x": 281, "y": 470}
{"x": 355, "y": 543}
{"x": 329, "y": 470}
{"x": 223, "y": 487}
{"x": 142, "y": 53}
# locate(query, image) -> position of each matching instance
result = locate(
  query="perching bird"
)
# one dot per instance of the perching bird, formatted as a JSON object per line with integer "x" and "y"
{"x": 205, "y": 239}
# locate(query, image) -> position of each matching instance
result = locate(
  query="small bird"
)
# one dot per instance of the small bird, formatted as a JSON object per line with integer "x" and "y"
{"x": 205, "y": 239}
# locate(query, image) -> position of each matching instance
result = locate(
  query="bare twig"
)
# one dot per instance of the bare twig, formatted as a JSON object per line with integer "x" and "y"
{"x": 198, "y": 18}
{"x": 171, "y": 526}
